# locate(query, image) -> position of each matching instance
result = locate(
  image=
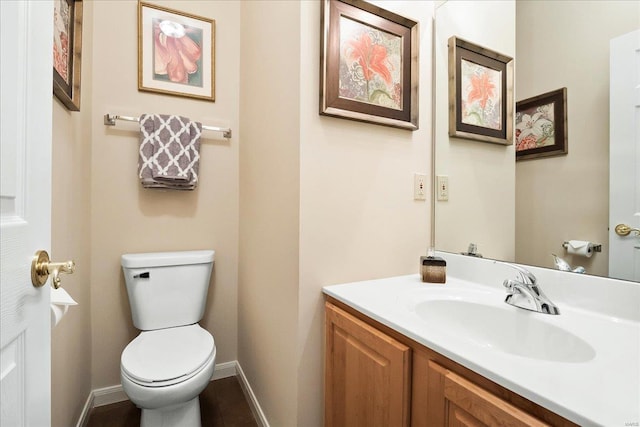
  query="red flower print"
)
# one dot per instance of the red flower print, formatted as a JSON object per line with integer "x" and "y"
{"x": 371, "y": 57}
{"x": 481, "y": 89}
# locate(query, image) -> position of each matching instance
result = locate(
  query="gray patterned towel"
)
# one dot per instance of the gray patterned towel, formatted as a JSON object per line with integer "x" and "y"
{"x": 169, "y": 154}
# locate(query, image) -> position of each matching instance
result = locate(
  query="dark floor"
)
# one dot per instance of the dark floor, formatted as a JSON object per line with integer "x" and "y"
{"x": 222, "y": 404}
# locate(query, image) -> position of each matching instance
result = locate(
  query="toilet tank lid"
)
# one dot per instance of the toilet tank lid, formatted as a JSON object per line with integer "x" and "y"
{"x": 164, "y": 259}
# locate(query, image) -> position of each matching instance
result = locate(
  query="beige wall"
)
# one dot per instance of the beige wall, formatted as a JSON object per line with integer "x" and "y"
{"x": 567, "y": 197}
{"x": 269, "y": 204}
{"x": 323, "y": 201}
{"x": 70, "y": 224}
{"x": 358, "y": 219}
{"x": 481, "y": 175}
{"x": 127, "y": 218}
{"x": 304, "y": 201}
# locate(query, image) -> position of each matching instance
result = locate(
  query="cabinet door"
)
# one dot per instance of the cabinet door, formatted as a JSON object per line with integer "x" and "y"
{"x": 457, "y": 402}
{"x": 367, "y": 374}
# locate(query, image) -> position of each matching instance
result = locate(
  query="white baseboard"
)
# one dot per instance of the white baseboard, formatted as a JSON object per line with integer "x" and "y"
{"x": 84, "y": 415}
{"x": 225, "y": 370}
{"x": 101, "y": 397}
{"x": 114, "y": 394}
{"x": 108, "y": 395}
{"x": 251, "y": 398}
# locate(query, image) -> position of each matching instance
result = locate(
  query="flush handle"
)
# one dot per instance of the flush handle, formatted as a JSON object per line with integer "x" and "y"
{"x": 144, "y": 275}
{"x": 42, "y": 267}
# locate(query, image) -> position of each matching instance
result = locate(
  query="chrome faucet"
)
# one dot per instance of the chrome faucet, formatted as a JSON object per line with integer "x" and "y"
{"x": 525, "y": 293}
{"x": 563, "y": 265}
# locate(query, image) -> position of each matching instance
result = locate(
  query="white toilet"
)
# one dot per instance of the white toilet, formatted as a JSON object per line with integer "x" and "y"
{"x": 166, "y": 367}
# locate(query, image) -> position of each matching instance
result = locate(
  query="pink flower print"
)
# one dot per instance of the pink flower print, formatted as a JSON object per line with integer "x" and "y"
{"x": 176, "y": 54}
{"x": 527, "y": 143}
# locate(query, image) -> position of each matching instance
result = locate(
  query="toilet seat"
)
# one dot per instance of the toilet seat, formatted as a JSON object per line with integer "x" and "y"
{"x": 167, "y": 356}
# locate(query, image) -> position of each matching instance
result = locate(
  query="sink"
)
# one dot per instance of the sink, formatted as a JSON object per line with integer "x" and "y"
{"x": 594, "y": 344}
{"x": 507, "y": 329}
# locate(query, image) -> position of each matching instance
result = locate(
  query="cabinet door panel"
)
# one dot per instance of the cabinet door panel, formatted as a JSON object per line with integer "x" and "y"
{"x": 463, "y": 403}
{"x": 460, "y": 418}
{"x": 367, "y": 374}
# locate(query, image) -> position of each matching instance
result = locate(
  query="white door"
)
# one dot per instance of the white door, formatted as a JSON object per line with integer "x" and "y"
{"x": 624, "y": 181}
{"x": 26, "y": 34}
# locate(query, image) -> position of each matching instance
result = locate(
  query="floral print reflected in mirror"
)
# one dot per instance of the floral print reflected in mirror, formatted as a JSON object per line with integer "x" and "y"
{"x": 534, "y": 127}
{"x": 481, "y": 95}
{"x": 370, "y": 65}
{"x": 177, "y": 53}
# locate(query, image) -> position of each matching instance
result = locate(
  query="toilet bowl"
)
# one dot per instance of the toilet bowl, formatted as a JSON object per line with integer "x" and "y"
{"x": 165, "y": 368}
{"x": 164, "y": 371}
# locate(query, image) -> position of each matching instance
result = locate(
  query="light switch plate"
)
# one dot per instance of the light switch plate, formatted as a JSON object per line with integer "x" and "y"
{"x": 442, "y": 188}
{"x": 419, "y": 186}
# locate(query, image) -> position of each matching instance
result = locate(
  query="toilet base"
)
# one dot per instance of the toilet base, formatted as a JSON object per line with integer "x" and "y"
{"x": 182, "y": 415}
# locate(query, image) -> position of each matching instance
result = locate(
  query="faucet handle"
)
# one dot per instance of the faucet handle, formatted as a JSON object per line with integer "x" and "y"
{"x": 510, "y": 285}
{"x": 525, "y": 275}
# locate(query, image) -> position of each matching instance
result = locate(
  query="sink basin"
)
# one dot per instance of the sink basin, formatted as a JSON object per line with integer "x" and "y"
{"x": 507, "y": 329}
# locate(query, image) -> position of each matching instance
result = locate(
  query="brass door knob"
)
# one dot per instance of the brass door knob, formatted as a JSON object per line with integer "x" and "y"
{"x": 625, "y": 230}
{"x": 42, "y": 267}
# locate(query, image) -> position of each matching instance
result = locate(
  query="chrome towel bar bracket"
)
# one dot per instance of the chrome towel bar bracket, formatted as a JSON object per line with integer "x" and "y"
{"x": 110, "y": 120}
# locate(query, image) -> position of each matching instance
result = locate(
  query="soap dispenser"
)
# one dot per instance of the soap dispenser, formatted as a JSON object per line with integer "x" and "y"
{"x": 432, "y": 268}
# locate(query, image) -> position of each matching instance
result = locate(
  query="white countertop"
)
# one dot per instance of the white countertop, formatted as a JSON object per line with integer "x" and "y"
{"x": 603, "y": 390}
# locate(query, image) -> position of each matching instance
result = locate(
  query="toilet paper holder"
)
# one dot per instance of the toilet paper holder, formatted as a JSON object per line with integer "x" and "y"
{"x": 42, "y": 267}
{"x": 595, "y": 246}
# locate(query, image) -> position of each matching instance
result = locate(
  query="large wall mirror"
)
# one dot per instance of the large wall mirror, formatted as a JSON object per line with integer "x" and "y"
{"x": 524, "y": 211}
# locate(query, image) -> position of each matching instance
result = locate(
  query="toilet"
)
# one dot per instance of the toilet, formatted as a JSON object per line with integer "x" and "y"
{"x": 166, "y": 367}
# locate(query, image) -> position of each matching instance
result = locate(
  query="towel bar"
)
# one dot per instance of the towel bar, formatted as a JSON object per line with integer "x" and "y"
{"x": 110, "y": 120}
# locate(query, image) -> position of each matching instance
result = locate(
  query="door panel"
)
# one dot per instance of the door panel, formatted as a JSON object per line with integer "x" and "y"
{"x": 26, "y": 32}
{"x": 624, "y": 156}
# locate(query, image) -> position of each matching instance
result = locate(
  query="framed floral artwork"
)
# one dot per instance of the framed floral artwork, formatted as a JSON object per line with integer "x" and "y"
{"x": 175, "y": 52}
{"x": 369, "y": 64}
{"x": 67, "y": 52}
{"x": 480, "y": 93}
{"x": 541, "y": 125}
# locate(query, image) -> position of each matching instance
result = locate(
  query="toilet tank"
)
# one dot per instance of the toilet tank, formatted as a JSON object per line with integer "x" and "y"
{"x": 167, "y": 289}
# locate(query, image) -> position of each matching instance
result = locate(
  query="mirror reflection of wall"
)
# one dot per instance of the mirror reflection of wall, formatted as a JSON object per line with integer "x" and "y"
{"x": 481, "y": 206}
{"x": 566, "y": 44}
{"x": 556, "y": 44}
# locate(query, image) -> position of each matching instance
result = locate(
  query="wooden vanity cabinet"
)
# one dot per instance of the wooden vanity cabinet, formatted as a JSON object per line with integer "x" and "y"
{"x": 367, "y": 374}
{"x": 375, "y": 376}
{"x": 455, "y": 401}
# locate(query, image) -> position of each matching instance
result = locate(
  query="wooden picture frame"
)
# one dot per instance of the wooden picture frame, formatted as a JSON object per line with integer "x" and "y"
{"x": 369, "y": 64}
{"x": 67, "y": 52}
{"x": 480, "y": 93}
{"x": 161, "y": 33}
{"x": 541, "y": 126}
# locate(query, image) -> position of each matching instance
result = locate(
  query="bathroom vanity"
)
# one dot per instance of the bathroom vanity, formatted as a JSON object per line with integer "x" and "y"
{"x": 402, "y": 352}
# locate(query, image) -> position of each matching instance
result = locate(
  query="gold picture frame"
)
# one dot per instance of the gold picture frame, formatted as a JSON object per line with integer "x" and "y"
{"x": 67, "y": 52}
{"x": 480, "y": 93}
{"x": 176, "y": 53}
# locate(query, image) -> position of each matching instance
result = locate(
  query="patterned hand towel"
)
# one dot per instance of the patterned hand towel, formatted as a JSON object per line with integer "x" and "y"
{"x": 169, "y": 154}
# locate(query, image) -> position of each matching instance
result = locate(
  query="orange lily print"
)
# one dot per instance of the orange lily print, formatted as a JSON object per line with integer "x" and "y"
{"x": 370, "y": 65}
{"x": 371, "y": 57}
{"x": 481, "y": 96}
{"x": 482, "y": 88}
